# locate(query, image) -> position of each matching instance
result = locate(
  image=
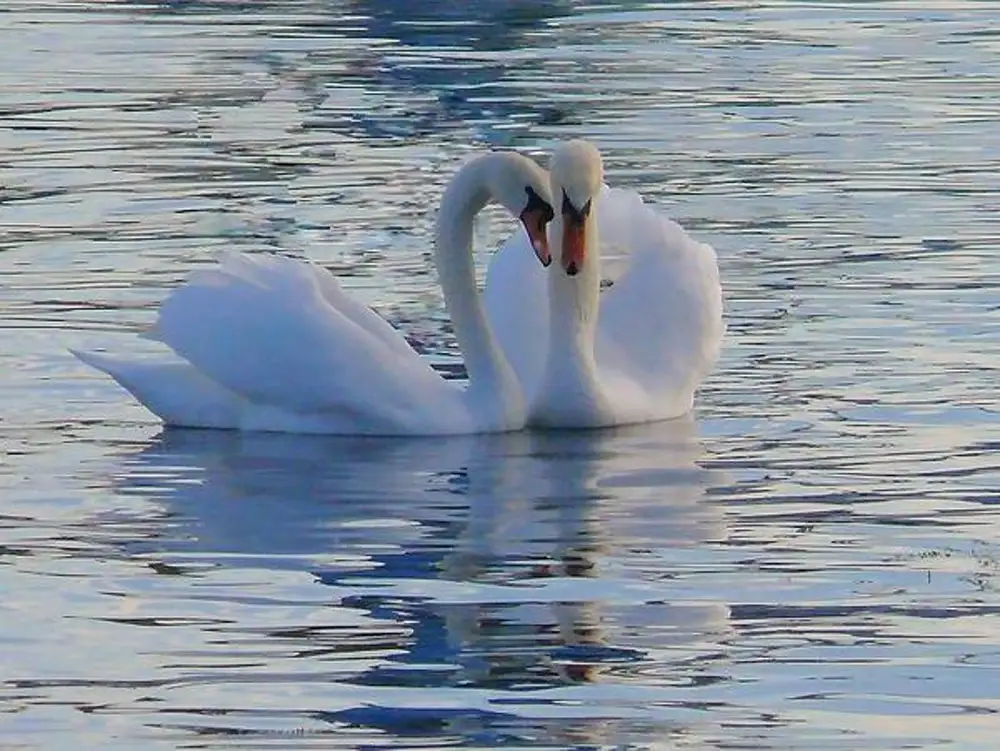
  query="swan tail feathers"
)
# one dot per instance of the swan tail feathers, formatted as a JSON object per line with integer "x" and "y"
{"x": 174, "y": 391}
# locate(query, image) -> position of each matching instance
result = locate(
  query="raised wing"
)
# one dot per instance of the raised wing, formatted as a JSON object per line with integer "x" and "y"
{"x": 660, "y": 325}
{"x": 282, "y": 332}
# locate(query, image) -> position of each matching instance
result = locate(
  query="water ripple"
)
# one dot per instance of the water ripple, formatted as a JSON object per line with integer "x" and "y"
{"x": 810, "y": 562}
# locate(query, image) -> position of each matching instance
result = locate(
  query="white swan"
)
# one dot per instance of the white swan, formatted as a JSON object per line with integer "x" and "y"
{"x": 635, "y": 352}
{"x": 271, "y": 343}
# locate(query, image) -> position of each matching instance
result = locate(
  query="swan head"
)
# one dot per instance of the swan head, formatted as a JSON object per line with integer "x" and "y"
{"x": 576, "y": 176}
{"x": 523, "y": 189}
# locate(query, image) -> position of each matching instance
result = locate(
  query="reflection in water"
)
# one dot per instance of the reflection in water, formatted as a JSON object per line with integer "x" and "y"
{"x": 500, "y": 564}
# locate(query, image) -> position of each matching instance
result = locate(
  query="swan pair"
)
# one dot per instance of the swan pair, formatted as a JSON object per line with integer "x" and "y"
{"x": 273, "y": 343}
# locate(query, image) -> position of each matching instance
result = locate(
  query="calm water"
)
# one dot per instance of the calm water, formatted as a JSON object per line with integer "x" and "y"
{"x": 811, "y": 561}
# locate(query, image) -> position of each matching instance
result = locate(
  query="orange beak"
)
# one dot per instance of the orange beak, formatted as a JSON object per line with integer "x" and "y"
{"x": 574, "y": 239}
{"x": 574, "y": 244}
{"x": 534, "y": 219}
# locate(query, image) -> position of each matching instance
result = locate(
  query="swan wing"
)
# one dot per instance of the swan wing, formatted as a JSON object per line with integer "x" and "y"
{"x": 358, "y": 313}
{"x": 660, "y": 324}
{"x": 616, "y": 212}
{"x": 282, "y": 335}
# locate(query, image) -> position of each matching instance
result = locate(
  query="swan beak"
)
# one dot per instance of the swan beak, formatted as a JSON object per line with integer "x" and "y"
{"x": 574, "y": 239}
{"x": 534, "y": 220}
{"x": 574, "y": 243}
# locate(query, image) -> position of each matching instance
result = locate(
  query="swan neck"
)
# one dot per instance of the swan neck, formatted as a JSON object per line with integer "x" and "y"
{"x": 574, "y": 304}
{"x": 469, "y": 191}
{"x": 570, "y": 392}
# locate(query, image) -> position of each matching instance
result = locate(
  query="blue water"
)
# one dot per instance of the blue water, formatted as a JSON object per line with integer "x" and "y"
{"x": 810, "y": 561}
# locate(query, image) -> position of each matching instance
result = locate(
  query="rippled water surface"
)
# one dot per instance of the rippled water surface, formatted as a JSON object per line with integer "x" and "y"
{"x": 811, "y": 561}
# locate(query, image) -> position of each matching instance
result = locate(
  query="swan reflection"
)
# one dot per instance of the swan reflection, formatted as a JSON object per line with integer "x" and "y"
{"x": 522, "y": 562}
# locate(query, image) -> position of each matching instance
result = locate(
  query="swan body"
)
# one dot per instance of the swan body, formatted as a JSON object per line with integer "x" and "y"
{"x": 272, "y": 343}
{"x": 633, "y": 352}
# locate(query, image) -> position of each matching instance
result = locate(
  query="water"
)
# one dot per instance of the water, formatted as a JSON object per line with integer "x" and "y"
{"x": 809, "y": 562}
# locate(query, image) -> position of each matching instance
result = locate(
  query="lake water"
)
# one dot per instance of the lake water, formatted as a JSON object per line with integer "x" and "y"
{"x": 811, "y": 561}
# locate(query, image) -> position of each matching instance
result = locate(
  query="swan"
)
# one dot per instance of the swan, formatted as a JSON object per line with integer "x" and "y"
{"x": 589, "y": 357}
{"x": 272, "y": 343}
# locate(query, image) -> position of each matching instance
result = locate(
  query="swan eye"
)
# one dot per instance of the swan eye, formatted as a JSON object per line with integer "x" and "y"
{"x": 574, "y": 214}
{"x": 537, "y": 203}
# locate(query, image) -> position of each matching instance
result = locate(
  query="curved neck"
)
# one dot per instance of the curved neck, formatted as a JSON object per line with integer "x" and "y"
{"x": 469, "y": 191}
